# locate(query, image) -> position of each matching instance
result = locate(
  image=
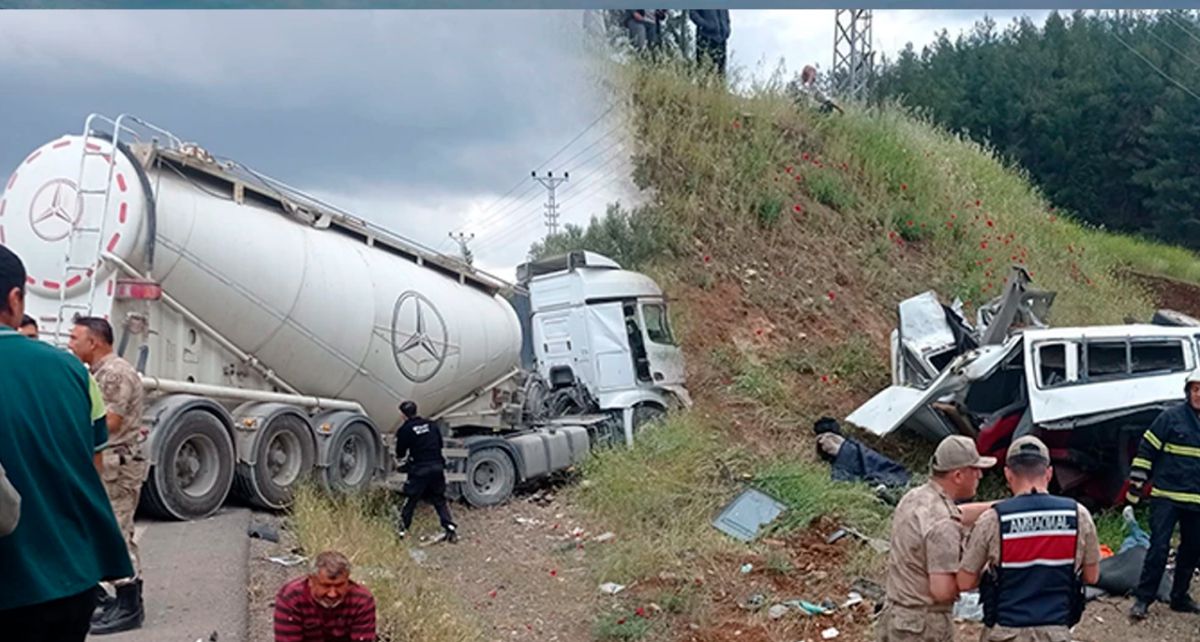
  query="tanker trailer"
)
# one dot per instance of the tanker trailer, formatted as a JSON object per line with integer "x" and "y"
{"x": 275, "y": 333}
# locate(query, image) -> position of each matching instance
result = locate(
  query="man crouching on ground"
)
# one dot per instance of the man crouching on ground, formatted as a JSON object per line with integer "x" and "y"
{"x": 927, "y": 535}
{"x": 325, "y": 606}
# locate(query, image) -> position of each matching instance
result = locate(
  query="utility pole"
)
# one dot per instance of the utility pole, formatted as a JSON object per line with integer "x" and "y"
{"x": 853, "y": 58}
{"x": 551, "y": 183}
{"x": 462, "y": 238}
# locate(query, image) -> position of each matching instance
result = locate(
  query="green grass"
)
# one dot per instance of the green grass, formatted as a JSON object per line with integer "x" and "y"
{"x": 412, "y": 604}
{"x": 808, "y": 492}
{"x": 659, "y": 497}
{"x": 621, "y": 627}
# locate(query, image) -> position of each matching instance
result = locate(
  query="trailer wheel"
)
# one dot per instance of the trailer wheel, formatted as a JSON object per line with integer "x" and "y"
{"x": 491, "y": 477}
{"x": 195, "y": 469}
{"x": 284, "y": 456}
{"x": 352, "y": 459}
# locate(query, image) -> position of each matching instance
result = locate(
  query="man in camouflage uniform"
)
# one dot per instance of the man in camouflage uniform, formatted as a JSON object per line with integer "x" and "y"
{"x": 926, "y": 540}
{"x": 124, "y": 466}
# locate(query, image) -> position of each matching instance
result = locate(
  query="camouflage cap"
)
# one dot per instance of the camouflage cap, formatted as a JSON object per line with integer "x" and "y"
{"x": 958, "y": 451}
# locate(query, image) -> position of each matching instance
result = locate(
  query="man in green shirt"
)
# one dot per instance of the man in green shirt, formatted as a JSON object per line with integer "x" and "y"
{"x": 51, "y": 426}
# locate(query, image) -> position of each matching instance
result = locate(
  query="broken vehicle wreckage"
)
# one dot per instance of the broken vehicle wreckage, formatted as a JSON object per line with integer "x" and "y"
{"x": 1088, "y": 392}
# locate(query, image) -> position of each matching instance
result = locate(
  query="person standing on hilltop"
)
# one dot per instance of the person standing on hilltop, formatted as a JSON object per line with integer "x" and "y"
{"x": 712, "y": 34}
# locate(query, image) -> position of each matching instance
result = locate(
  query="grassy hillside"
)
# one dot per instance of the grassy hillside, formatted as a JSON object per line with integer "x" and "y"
{"x": 789, "y": 237}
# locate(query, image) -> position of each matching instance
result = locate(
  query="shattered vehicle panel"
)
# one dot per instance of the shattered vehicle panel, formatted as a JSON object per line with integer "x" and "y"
{"x": 1088, "y": 392}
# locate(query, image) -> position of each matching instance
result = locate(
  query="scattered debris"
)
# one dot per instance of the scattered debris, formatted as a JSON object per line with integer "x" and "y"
{"x": 753, "y": 602}
{"x": 868, "y": 589}
{"x": 743, "y": 517}
{"x": 853, "y": 599}
{"x": 746, "y": 568}
{"x": 777, "y": 611}
{"x": 604, "y": 537}
{"x": 611, "y": 588}
{"x": 288, "y": 560}
{"x": 968, "y": 607}
{"x": 836, "y": 535}
{"x": 264, "y": 532}
{"x": 830, "y": 633}
{"x": 526, "y": 521}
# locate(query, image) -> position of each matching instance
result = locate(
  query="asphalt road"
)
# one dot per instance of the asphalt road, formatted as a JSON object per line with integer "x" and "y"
{"x": 195, "y": 577}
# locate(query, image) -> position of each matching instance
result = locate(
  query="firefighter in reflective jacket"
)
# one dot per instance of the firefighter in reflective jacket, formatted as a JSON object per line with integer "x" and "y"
{"x": 1169, "y": 456}
{"x": 1035, "y": 551}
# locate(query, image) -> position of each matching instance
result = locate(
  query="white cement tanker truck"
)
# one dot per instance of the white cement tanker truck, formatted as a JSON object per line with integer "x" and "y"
{"x": 276, "y": 334}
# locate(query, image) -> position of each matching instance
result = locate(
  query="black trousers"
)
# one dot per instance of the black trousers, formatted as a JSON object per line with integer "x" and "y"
{"x": 1164, "y": 514}
{"x": 66, "y": 619}
{"x": 711, "y": 52}
{"x": 429, "y": 486}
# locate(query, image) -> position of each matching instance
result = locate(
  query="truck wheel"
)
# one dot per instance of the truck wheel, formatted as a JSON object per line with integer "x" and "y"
{"x": 352, "y": 459}
{"x": 284, "y": 455}
{"x": 491, "y": 477}
{"x": 194, "y": 471}
{"x": 645, "y": 414}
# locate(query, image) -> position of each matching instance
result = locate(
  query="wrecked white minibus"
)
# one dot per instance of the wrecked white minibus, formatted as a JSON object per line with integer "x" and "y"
{"x": 1088, "y": 392}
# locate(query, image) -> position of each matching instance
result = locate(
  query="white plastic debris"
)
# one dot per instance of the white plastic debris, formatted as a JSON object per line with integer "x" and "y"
{"x": 604, "y": 537}
{"x": 611, "y": 588}
{"x": 852, "y": 599}
{"x": 288, "y": 560}
{"x": 746, "y": 568}
{"x": 777, "y": 611}
{"x": 830, "y": 633}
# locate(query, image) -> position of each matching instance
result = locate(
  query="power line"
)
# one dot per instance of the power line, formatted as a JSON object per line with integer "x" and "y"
{"x": 1154, "y": 66}
{"x": 620, "y": 149}
{"x": 1172, "y": 47}
{"x": 577, "y": 194}
{"x": 519, "y": 202}
{"x": 578, "y": 136}
{"x": 516, "y": 185}
{"x": 1179, "y": 24}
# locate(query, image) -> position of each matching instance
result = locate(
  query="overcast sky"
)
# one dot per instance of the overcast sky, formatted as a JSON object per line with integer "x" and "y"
{"x": 420, "y": 121}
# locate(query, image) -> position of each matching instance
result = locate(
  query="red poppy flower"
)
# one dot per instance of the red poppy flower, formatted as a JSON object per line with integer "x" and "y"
{"x": 949, "y": 224}
{"x": 707, "y": 258}
{"x": 553, "y": 573}
{"x": 824, "y": 378}
{"x": 910, "y": 222}
{"x": 804, "y": 156}
{"x": 640, "y": 612}
{"x": 789, "y": 169}
{"x": 903, "y": 187}
{"x": 983, "y": 245}
{"x": 978, "y": 203}
{"x": 831, "y": 295}
{"x": 990, "y": 223}
{"x": 797, "y": 208}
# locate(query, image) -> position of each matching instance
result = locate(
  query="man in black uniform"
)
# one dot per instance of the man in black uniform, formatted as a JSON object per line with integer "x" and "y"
{"x": 421, "y": 440}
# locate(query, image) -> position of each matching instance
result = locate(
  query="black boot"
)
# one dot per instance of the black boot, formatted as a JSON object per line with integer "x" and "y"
{"x": 127, "y": 613}
{"x": 104, "y": 601}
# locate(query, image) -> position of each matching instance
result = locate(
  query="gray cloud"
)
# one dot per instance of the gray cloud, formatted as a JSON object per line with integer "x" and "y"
{"x": 425, "y": 98}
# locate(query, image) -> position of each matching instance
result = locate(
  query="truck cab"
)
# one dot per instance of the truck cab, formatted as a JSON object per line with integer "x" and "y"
{"x": 601, "y": 337}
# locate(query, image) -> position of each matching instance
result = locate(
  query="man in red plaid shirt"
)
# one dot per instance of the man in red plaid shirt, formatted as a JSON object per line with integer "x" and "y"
{"x": 325, "y": 606}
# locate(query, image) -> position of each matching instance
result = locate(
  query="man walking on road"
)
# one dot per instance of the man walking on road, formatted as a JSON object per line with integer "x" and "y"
{"x": 426, "y": 472}
{"x": 927, "y": 533}
{"x": 1038, "y": 551}
{"x": 124, "y": 467}
{"x": 1169, "y": 456}
{"x": 325, "y": 606}
{"x": 67, "y": 539}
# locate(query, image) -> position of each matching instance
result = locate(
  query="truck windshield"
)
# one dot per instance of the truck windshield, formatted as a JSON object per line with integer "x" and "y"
{"x": 658, "y": 329}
